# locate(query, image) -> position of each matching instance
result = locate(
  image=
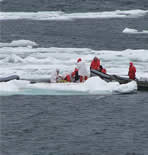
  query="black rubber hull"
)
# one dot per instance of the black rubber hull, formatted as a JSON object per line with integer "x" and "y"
{"x": 41, "y": 80}
{"x": 142, "y": 85}
{"x": 9, "y": 78}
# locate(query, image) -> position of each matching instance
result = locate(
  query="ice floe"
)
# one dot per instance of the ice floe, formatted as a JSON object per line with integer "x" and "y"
{"x": 19, "y": 43}
{"x": 59, "y": 15}
{"x": 93, "y": 86}
{"x": 39, "y": 62}
{"x": 134, "y": 31}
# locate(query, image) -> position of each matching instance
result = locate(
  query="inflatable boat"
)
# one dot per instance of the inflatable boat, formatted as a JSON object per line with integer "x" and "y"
{"x": 142, "y": 84}
{"x": 9, "y": 78}
{"x": 40, "y": 80}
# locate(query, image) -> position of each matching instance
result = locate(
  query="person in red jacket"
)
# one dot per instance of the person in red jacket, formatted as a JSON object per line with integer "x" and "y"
{"x": 95, "y": 64}
{"x": 132, "y": 71}
{"x": 75, "y": 75}
{"x": 67, "y": 78}
{"x": 103, "y": 70}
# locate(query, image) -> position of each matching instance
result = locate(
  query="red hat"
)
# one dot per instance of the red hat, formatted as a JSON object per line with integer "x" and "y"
{"x": 131, "y": 63}
{"x": 79, "y": 60}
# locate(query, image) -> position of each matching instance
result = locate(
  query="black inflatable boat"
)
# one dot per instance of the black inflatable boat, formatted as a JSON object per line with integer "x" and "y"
{"x": 40, "y": 80}
{"x": 142, "y": 85}
{"x": 9, "y": 78}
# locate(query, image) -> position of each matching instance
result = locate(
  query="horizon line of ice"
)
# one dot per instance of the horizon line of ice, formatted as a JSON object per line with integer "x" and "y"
{"x": 59, "y": 15}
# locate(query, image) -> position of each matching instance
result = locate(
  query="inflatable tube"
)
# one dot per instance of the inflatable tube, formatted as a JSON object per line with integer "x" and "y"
{"x": 9, "y": 78}
{"x": 45, "y": 80}
{"x": 95, "y": 72}
{"x": 104, "y": 76}
{"x": 142, "y": 85}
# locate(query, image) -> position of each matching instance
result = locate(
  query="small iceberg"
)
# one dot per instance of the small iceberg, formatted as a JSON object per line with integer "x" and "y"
{"x": 134, "y": 31}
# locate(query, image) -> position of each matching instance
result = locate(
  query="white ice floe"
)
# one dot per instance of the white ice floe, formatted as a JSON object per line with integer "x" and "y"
{"x": 134, "y": 31}
{"x": 13, "y": 87}
{"x": 93, "y": 86}
{"x": 39, "y": 62}
{"x": 59, "y": 15}
{"x": 19, "y": 43}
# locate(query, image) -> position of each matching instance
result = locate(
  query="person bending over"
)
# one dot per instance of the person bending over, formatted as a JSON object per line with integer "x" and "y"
{"x": 95, "y": 64}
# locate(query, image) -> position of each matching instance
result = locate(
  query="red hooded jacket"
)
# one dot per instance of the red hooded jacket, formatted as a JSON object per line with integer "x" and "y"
{"x": 132, "y": 71}
{"x": 95, "y": 64}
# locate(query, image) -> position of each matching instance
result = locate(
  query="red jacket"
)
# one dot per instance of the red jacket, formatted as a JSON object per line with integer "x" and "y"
{"x": 103, "y": 70}
{"x": 74, "y": 72}
{"x": 132, "y": 71}
{"x": 68, "y": 78}
{"x": 95, "y": 64}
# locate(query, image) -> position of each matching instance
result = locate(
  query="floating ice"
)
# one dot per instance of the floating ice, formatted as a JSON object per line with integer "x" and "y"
{"x": 13, "y": 59}
{"x": 93, "y": 86}
{"x": 39, "y": 62}
{"x": 59, "y": 15}
{"x": 19, "y": 43}
{"x": 134, "y": 31}
{"x": 13, "y": 87}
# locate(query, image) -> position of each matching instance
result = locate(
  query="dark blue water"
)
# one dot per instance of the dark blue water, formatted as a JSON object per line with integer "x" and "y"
{"x": 75, "y": 125}
{"x": 44, "y": 125}
{"x": 96, "y": 34}
{"x": 72, "y": 5}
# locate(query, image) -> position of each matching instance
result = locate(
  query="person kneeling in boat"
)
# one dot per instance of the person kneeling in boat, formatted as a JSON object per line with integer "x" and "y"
{"x": 132, "y": 71}
{"x": 67, "y": 78}
{"x": 55, "y": 77}
{"x": 103, "y": 70}
{"x": 82, "y": 70}
{"x": 95, "y": 64}
{"x": 75, "y": 75}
